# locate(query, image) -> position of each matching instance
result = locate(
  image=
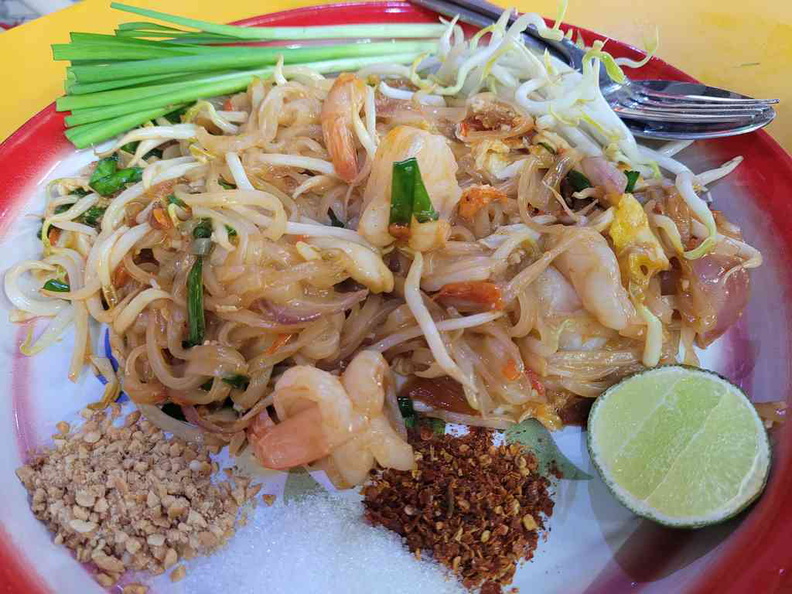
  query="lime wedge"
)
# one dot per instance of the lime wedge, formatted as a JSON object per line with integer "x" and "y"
{"x": 679, "y": 445}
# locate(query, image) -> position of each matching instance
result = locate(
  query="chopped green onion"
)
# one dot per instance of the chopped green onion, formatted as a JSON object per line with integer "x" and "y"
{"x": 423, "y": 210}
{"x": 578, "y": 181}
{"x": 226, "y": 185}
{"x": 407, "y": 411}
{"x": 107, "y": 186}
{"x": 231, "y": 231}
{"x": 92, "y": 216}
{"x": 107, "y": 179}
{"x": 402, "y": 189}
{"x": 238, "y": 381}
{"x": 203, "y": 229}
{"x": 195, "y": 310}
{"x": 172, "y": 199}
{"x": 547, "y": 147}
{"x": 56, "y": 286}
{"x": 632, "y": 178}
{"x": 409, "y": 196}
{"x": 438, "y": 426}
{"x": 104, "y": 167}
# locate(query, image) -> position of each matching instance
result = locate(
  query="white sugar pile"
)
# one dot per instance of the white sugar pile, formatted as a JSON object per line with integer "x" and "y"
{"x": 319, "y": 545}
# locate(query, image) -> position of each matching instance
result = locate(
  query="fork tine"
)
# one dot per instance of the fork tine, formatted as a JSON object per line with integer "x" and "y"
{"x": 658, "y": 95}
{"x": 668, "y": 115}
{"x": 633, "y": 101}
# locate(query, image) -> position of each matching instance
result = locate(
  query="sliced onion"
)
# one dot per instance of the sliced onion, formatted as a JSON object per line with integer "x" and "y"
{"x": 460, "y": 419}
{"x": 168, "y": 424}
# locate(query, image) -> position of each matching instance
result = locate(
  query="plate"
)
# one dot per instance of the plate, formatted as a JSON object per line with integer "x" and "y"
{"x": 593, "y": 545}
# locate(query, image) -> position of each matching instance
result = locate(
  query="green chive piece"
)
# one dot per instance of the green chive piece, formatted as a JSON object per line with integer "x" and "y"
{"x": 93, "y": 216}
{"x": 203, "y": 230}
{"x": 423, "y": 210}
{"x": 56, "y": 286}
{"x": 632, "y": 179}
{"x": 407, "y": 411}
{"x": 195, "y": 309}
{"x": 402, "y": 189}
{"x": 238, "y": 381}
{"x": 177, "y": 201}
{"x": 547, "y": 147}
{"x": 231, "y": 231}
{"x": 226, "y": 185}
{"x": 578, "y": 181}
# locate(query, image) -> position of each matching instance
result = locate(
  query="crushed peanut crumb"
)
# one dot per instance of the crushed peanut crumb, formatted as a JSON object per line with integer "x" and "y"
{"x": 126, "y": 497}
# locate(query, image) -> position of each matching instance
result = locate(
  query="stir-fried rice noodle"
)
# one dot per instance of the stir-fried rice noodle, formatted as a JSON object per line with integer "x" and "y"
{"x": 252, "y": 277}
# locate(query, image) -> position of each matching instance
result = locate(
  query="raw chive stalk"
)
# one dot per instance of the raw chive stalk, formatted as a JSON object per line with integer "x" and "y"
{"x": 75, "y": 88}
{"x": 244, "y": 58}
{"x": 293, "y": 33}
{"x": 195, "y": 310}
{"x": 85, "y": 136}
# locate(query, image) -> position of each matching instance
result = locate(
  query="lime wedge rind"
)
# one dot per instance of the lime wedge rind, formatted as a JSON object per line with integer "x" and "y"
{"x": 722, "y": 463}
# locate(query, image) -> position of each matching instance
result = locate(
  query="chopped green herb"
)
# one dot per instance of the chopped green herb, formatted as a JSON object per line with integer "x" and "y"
{"x": 402, "y": 188}
{"x": 547, "y": 147}
{"x": 231, "y": 231}
{"x": 632, "y": 179}
{"x": 195, "y": 309}
{"x": 92, "y": 216}
{"x": 203, "y": 230}
{"x": 81, "y": 192}
{"x": 207, "y": 385}
{"x": 238, "y": 381}
{"x": 57, "y": 286}
{"x": 409, "y": 196}
{"x": 131, "y": 147}
{"x": 62, "y": 208}
{"x": 407, "y": 411}
{"x": 578, "y": 181}
{"x": 437, "y": 425}
{"x": 423, "y": 210}
{"x": 177, "y": 201}
{"x": 107, "y": 179}
{"x": 226, "y": 185}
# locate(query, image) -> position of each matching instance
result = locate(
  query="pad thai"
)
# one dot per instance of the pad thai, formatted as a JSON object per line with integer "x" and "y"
{"x": 275, "y": 262}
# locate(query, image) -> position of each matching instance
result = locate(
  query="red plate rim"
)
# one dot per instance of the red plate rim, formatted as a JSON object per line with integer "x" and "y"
{"x": 765, "y": 569}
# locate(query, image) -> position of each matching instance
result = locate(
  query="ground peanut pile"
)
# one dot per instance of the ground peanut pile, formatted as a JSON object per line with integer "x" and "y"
{"x": 475, "y": 507}
{"x": 125, "y": 497}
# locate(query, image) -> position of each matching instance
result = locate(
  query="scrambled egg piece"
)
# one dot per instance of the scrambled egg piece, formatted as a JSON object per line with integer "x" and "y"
{"x": 639, "y": 252}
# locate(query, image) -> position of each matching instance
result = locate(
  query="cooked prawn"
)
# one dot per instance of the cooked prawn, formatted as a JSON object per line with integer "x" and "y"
{"x": 343, "y": 103}
{"x": 438, "y": 170}
{"x": 591, "y": 266}
{"x": 323, "y": 416}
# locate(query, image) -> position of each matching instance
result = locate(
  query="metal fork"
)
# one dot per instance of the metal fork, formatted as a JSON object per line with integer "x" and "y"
{"x": 663, "y": 109}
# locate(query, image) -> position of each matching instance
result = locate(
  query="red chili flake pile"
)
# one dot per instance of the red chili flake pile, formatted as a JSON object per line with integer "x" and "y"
{"x": 475, "y": 507}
